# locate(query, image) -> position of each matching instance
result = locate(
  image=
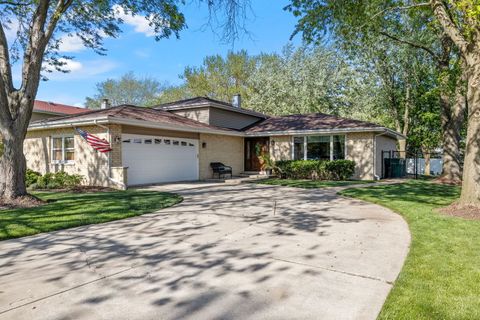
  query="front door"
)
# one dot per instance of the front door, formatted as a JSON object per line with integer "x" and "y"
{"x": 252, "y": 163}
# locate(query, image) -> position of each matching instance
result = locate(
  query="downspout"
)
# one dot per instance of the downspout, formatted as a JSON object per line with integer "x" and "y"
{"x": 376, "y": 177}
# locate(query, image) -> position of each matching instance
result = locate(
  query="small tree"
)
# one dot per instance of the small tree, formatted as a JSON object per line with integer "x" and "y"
{"x": 129, "y": 89}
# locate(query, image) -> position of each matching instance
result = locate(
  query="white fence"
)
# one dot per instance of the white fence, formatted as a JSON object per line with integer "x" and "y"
{"x": 436, "y": 166}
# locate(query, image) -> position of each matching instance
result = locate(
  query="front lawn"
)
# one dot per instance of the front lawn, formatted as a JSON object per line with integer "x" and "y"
{"x": 441, "y": 276}
{"x": 310, "y": 184}
{"x": 67, "y": 210}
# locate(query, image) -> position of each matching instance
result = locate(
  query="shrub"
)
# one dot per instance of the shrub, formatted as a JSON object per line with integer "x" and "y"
{"x": 58, "y": 180}
{"x": 315, "y": 169}
{"x": 340, "y": 169}
{"x": 31, "y": 177}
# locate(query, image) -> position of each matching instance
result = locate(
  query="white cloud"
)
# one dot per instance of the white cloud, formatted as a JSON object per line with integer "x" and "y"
{"x": 139, "y": 23}
{"x": 83, "y": 70}
{"x": 71, "y": 43}
{"x": 71, "y": 65}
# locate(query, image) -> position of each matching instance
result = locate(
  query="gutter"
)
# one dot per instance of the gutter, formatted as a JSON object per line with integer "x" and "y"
{"x": 304, "y": 132}
{"x": 42, "y": 125}
{"x": 142, "y": 123}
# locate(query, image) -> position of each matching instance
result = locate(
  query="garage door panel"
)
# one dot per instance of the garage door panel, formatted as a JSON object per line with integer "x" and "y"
{"x": 157, "y": 163}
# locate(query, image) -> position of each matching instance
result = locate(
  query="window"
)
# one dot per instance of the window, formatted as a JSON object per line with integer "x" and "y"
{"x": 147, "y": 141}
{"x": 137, "y": 141}
{"x": 298, "y": 148}
{"x": 158, "y": 141}
{"x": 127, "y": 141}
{"x": 338, "y": 147}
{"x": 318, "y": 147}
{"x": 191, "y": 144}
{"x": 166, "y": 141}
{"x": 176, "y": 143}
{"x": 63, "y": 149}
{"x": 184, "y": 144}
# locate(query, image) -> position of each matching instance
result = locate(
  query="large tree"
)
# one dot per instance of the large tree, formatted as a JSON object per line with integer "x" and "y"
{"x": 128, "y": 89}
{"x": 461, "y": 22}
{"x": 308, "y": 79}
{"x": 218, "y": 78}
{"x": 39, "y": 26}
{"x": 440, "y": 28}
{"x": 297, "y": 80}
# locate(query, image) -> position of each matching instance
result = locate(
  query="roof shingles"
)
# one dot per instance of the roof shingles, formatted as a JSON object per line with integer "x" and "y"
{"x": 313, "y": 121}
{"x": 57, "y": 108}
{"x": 135, "y": 113}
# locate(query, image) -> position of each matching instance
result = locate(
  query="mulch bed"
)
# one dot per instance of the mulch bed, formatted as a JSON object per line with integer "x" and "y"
{"x": 87, "y": 189}
{"x": 22, "y": 202}
{"x": 465, "y": 212}
{"x": 32, "y": 201}
{"x": 446, "y": 181}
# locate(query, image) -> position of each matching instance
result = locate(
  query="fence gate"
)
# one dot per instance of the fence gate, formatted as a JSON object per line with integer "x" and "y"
{"x": 394, "y": 164}
{"x": 401, "y": 164}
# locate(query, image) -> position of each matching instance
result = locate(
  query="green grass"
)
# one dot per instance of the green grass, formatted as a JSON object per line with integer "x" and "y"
{"x": 67, "y": 210}
{"x": 310, "y": 184}
{"x": 441, "y": 276}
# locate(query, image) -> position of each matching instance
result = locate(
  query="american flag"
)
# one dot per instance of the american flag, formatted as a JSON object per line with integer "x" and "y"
{"x": 98, "y": 144}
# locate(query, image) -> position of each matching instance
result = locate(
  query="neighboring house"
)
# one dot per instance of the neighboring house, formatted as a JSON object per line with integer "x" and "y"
{"x": 46, "y": 110}
{"x": 178, "y": 141}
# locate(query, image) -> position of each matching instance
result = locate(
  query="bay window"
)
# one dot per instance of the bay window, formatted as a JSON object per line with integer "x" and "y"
{"x": 324, "y": 147}
{"x": 63, "y": 149}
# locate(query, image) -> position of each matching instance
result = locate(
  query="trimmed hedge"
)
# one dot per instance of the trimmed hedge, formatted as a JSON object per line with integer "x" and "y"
{"x": 315, "y": 169}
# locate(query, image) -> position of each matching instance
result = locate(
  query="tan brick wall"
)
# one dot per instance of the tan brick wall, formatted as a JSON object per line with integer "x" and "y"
{"x": 219, "y": 148}
{"x": 281, "y": 148}
{"x": 89, "y": 163}
{"x": 360, "y": 150}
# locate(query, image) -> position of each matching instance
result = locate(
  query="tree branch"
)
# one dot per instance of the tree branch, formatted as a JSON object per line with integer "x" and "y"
{"x": 411, "y": 43}
{"x": 5, "y": 66}
{"x": 423, "y": 4}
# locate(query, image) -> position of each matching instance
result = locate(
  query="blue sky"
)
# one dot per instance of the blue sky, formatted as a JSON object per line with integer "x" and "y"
{"x": 136, "y": 50}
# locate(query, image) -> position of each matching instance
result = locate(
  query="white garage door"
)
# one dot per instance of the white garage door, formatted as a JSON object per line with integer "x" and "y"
{"x": 159, "y": 159}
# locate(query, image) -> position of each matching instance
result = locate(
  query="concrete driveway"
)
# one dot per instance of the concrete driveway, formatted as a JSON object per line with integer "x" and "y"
{"x": 227, "y": 252}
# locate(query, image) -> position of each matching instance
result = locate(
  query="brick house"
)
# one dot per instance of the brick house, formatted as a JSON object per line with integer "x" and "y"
{"x": 178, "y": 141}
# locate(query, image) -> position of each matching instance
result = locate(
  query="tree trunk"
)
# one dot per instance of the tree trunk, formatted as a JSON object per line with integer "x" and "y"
{"x": 427, "y": 157}
{"x": 12, "y": 167}
{"x": 452, "y": 118}
{"x": 12, "y": 161}
{"x": 471, "y": 175}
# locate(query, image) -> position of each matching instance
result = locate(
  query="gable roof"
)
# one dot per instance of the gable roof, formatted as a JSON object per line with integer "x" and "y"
{"x": 202, "y": 102}
{"x": 313, "y": 122}
{"x": 56, "y": 108}
{"x": 131, "y": 115}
